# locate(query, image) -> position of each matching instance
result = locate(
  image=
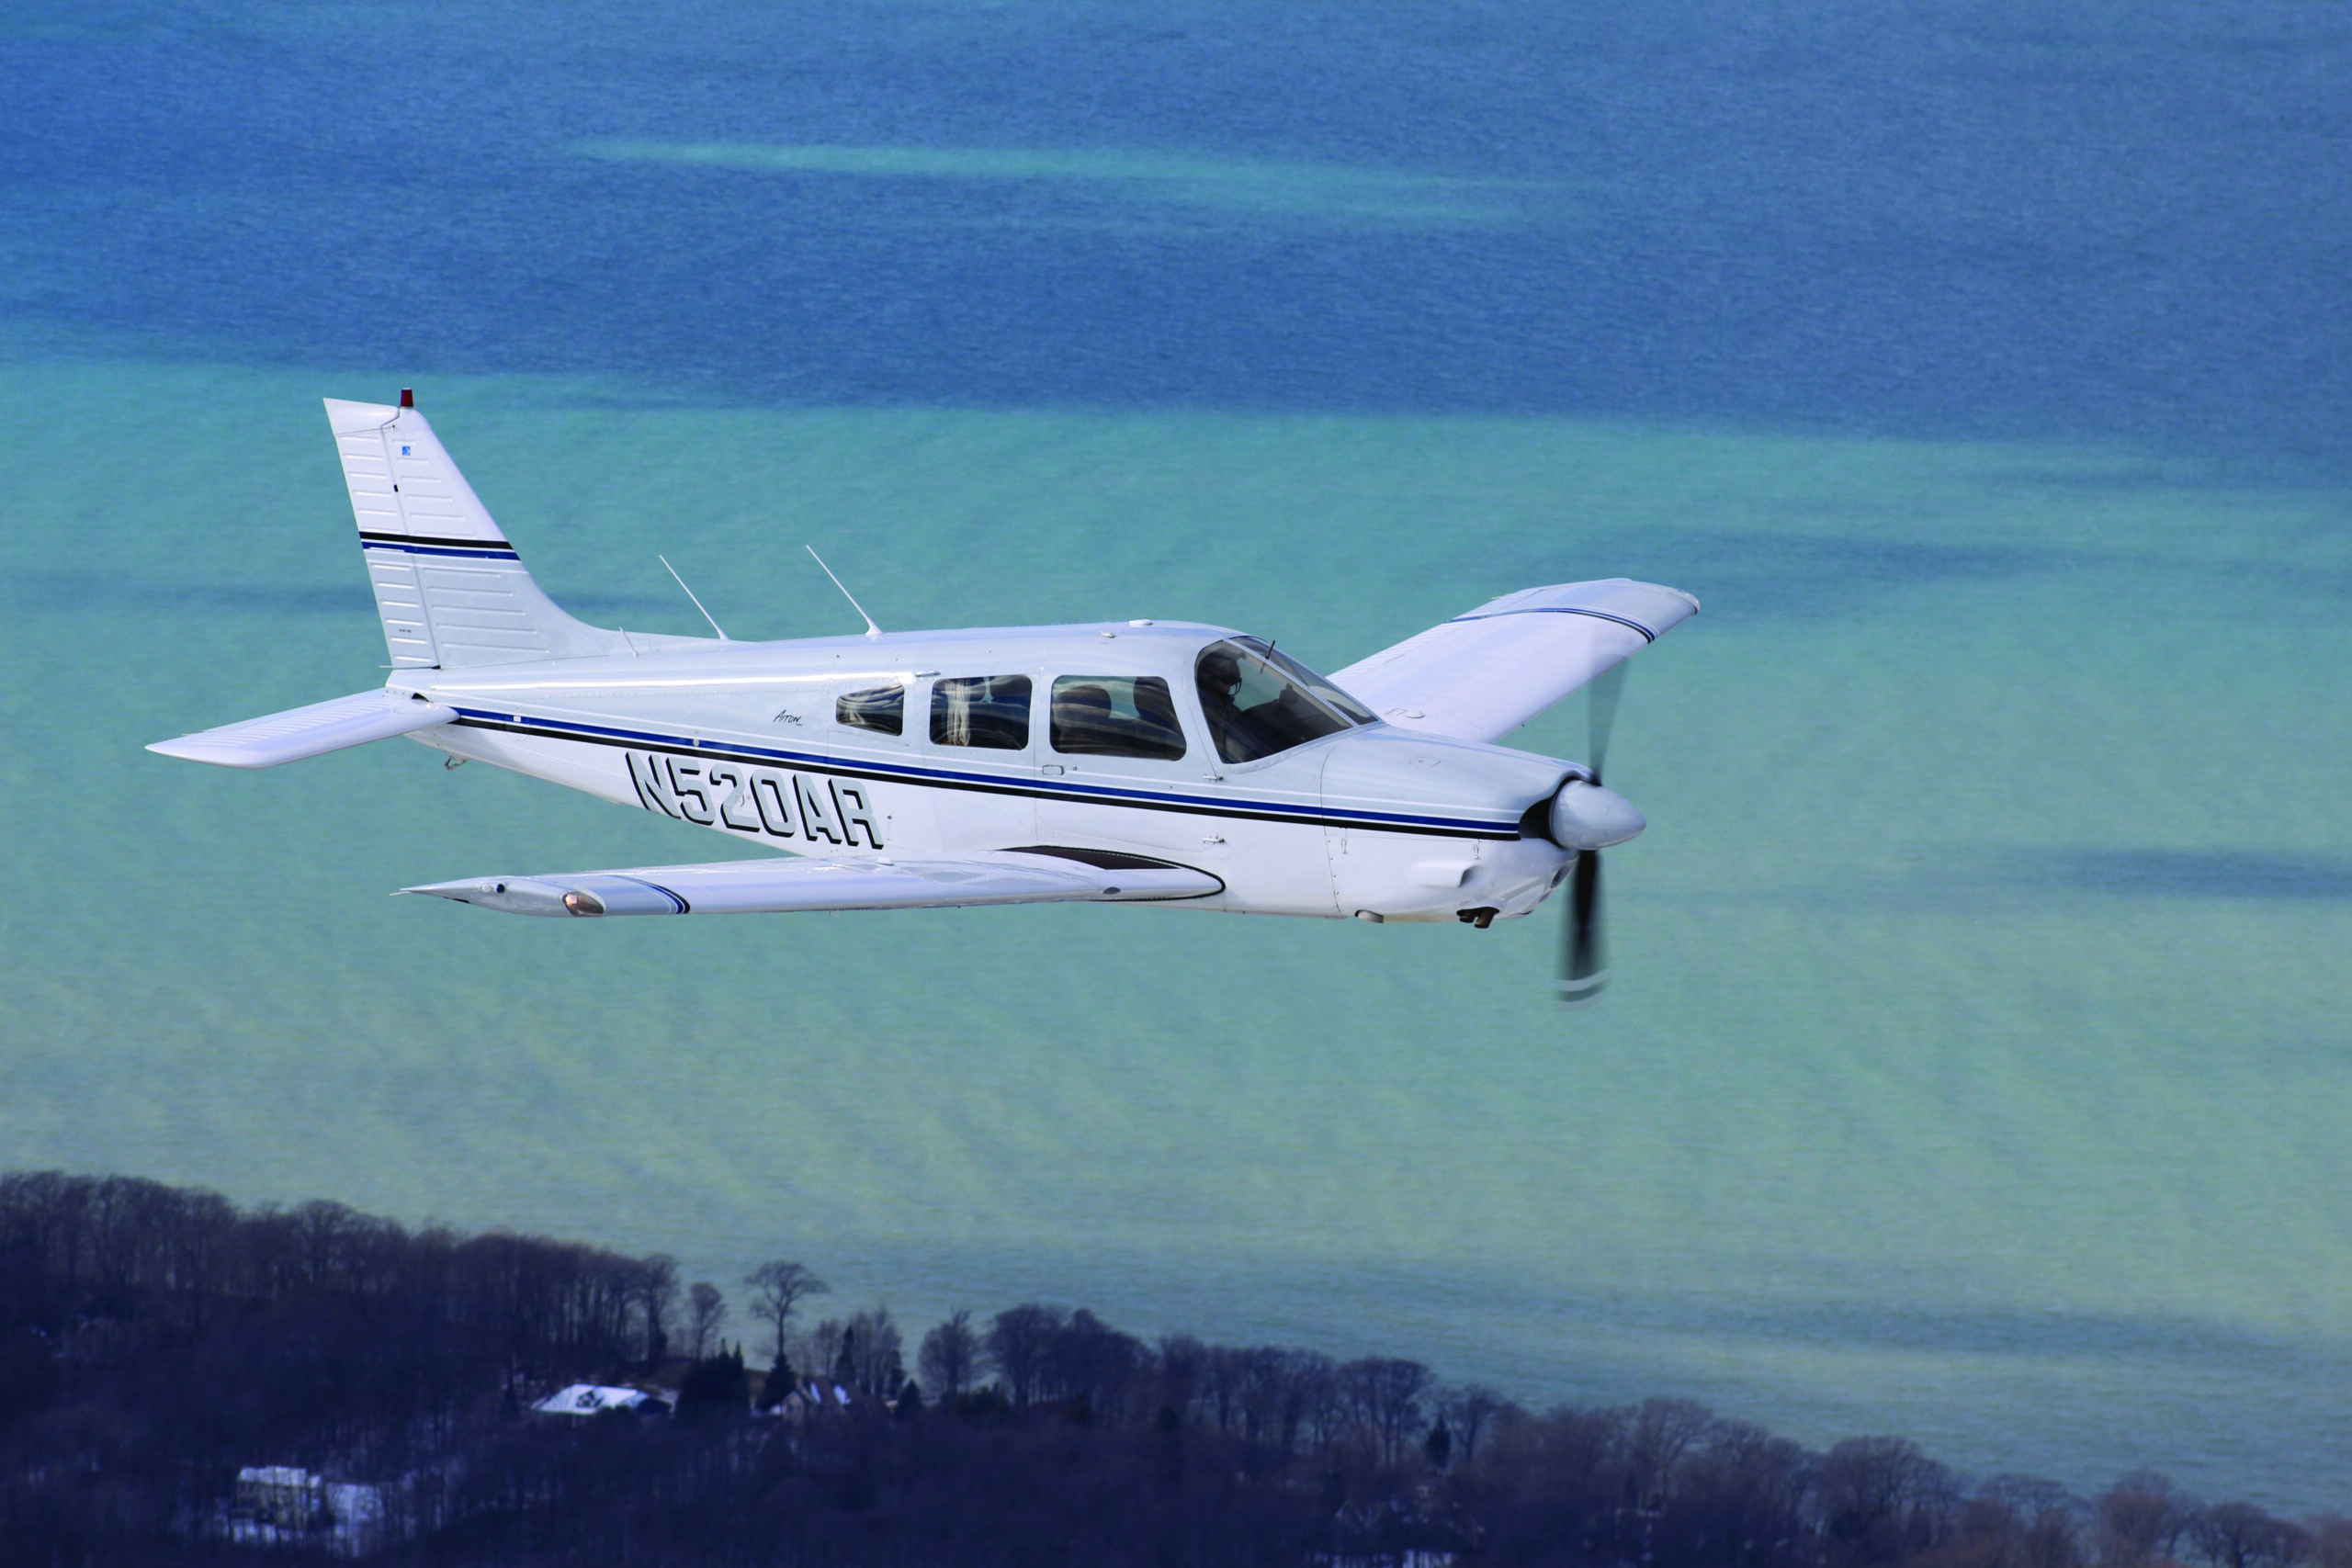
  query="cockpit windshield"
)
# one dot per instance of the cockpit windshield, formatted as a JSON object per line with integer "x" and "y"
{"x": 1259, "y": 702}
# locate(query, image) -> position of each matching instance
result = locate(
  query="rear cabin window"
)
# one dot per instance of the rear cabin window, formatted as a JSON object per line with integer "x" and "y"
{"x": 1115, "y": 716}
{"x": 880, "y": 707}
{"x": 986, "y": 711}
{"x": 1259, "y": 702}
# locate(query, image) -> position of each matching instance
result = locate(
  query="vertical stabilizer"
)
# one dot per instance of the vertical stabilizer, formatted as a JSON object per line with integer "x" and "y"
{"x": 451, "y": 590}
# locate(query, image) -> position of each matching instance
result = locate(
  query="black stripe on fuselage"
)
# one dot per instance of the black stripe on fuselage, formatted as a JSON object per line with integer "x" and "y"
{"x": 828, "y": 767}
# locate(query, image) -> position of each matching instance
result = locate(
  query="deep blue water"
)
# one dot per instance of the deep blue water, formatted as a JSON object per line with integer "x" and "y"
{"x": 2119, "y": 221}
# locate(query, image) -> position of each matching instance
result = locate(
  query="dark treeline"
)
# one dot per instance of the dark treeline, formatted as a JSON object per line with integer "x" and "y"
{"x": 157, "y": 1344}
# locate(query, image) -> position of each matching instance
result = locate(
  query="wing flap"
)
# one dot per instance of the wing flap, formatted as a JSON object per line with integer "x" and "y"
{"x": 796, "y": 886}
{"x": 312, "y": 731}
{"x": 1481, "y": 675}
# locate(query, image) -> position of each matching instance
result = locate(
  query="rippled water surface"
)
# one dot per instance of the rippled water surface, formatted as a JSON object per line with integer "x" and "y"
{"x": 1977, "y": 1067}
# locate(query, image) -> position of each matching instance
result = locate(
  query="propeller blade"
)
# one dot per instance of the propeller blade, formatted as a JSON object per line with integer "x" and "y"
{"x": 1584, "y": 953}
{"x": 1584, "y": 961}
{"x": 1601, "y": 713}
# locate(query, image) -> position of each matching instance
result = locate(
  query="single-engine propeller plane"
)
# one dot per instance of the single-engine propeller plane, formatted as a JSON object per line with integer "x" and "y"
{"x": 1125, "y": 761}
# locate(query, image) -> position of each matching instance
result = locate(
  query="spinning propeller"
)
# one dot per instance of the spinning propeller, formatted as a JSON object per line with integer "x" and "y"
{"x": 1586, "y": 816}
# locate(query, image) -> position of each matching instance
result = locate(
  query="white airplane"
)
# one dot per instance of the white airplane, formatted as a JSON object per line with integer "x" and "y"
{"x": 1125, "y": 762}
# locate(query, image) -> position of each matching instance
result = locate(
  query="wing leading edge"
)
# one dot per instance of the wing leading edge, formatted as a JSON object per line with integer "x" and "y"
{"x": 778, "y": 886}
{"x": 1481, "y": 675}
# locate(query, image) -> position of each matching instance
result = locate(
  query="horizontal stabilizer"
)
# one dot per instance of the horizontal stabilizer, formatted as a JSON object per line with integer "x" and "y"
{"x": 297, "y": 733}
{"x": 1483, "y": 674}
{"x": 775, "y": 886}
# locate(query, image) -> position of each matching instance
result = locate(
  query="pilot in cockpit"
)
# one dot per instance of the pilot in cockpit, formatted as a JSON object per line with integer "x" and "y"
{"x": 1219, "y": 678}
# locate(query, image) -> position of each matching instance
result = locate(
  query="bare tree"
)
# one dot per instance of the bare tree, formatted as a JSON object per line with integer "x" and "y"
{"x": 655, "y": 1286}
{"x": 1222, "y": 1371}
{"x": 819, "y": 1352}
{"x": 1017, "y": 1344}
{"x": 2141, "y": 1518}
{"x": 1086, "y": 1359}
{"x": 2027, "y": 1497}
{"x": 950, "y": 1353}
{"x": 1310, "y": 1398}
{"x": 1383, "y": 1394}
{"x": 706, "y": 1315}
{"x": 2330, "y": 1536}
{"x": 1265, "y": 1379}
{"x": 1658, "y": 1432}
{"x": 1883, "y": 1495}
{"x": 873, "y": 1345}
{"x": 1180, "y": 1359}
{"x": 1467, "y": 1411}
{"x": 1743, "y": 1484}
{"x": 776, "y": 1288}
{"x": 2239, "y": 1535}
{"x": 2034, "y": 1522}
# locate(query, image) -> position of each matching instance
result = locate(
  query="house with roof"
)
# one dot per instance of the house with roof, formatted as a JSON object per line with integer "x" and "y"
{"x": 587, "y": 1399}
{"x": 284, "y": 1504}
{"x": 815, "y": 1398}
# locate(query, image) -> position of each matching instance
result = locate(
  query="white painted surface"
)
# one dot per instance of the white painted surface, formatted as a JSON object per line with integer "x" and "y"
{"x": 1483, "y": 674}
{"x": 768, "y": 887}
{"x": 312, "y": 731}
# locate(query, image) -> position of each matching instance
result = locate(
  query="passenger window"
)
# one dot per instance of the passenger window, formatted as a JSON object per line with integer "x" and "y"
{"x": 882, "y": 707}
{"x": 990, "y": 711}
{"x": 1115, "y": 716}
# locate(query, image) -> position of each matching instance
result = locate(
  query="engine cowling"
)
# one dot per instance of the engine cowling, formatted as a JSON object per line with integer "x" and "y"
{"x": 1585, "y": 815}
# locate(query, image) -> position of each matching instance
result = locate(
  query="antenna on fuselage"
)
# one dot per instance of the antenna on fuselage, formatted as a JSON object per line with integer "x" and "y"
{"x": 872, "y": 631}
{"x": 690, "y": 593}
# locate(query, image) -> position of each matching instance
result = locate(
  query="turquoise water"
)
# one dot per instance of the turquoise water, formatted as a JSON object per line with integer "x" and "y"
{"x": 1976, "y": 1068}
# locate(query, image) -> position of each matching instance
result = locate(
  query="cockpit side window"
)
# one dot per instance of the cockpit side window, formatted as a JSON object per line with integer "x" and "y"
{"x": 986, "y": 711}
{"x": 1259, "y": 702}
{"x": 1115, "y": 715}
{"x": 880, "y": 707}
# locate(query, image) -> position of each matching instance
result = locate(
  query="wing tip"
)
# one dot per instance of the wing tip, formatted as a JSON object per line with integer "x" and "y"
{"x": 195, "y": 748}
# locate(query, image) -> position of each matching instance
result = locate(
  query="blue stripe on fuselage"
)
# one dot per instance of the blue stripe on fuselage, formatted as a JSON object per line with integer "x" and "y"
{"x": 570, "y": 729}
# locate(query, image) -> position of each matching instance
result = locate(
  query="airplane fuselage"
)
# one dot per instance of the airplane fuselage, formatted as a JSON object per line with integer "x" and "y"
{"x": 903, "y": 744}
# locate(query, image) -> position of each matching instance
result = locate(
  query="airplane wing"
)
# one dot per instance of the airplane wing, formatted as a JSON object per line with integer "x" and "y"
{"x": 1481, "y": 675}
{"x": 310, "y": 732}
{"x": 763, "y": 886}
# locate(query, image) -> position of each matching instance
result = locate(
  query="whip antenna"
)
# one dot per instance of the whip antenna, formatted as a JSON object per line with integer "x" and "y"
{"x": 690, "y": 593}
{"x": 872, "y": 631}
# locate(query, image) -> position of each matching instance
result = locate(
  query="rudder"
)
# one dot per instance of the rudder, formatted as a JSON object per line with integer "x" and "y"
{"x": 451, "y": 589}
